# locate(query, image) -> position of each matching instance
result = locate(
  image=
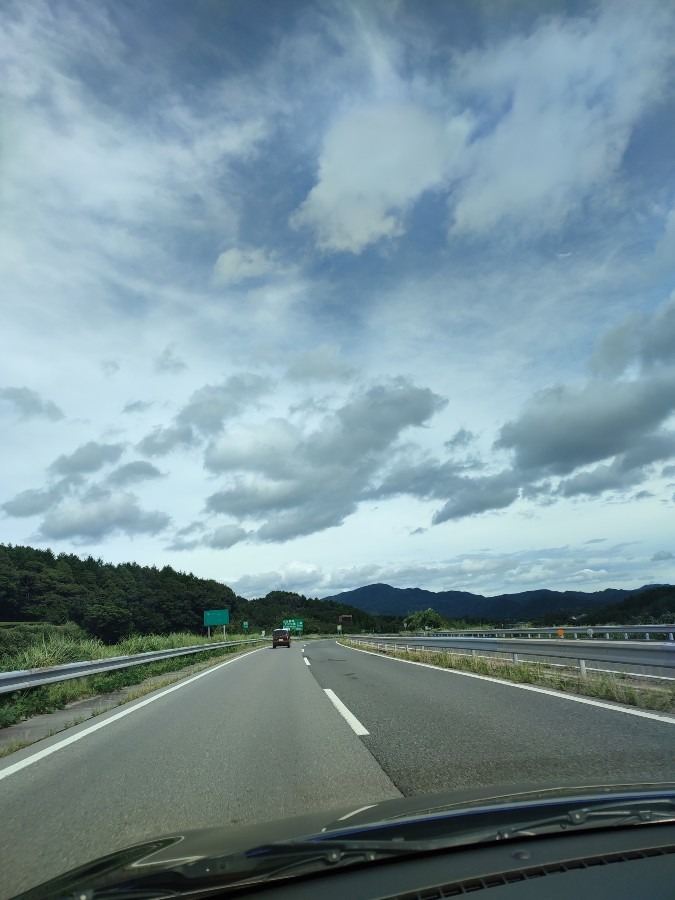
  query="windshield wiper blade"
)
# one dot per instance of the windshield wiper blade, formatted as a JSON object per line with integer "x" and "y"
{"x": 273, "y": 860}
{"x": 263, "y": 863}
{"x": 636, "y": 811}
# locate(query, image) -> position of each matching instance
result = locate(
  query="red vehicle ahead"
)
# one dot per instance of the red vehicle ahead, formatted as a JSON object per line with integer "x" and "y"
{"x": 281, "y": 638}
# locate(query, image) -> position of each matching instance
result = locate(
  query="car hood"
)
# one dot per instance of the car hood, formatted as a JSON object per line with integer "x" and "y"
{"x": 171, "y": 850}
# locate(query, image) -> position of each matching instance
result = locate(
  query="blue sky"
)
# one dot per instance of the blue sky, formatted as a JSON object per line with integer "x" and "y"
{"x": 313, "y": 295}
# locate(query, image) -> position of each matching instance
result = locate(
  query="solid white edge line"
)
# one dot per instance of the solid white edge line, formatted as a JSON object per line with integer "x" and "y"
{"x": 345, "y": 713}
{"x": 47, "y": 751}
{"x": 575, "y": 698}
{"x": 307, "y": 662}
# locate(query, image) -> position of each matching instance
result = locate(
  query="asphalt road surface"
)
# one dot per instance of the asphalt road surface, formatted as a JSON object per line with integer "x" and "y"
{"x": 281, "y": 733}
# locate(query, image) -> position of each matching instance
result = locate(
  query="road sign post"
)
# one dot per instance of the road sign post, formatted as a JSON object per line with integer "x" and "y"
{"x": 216, "y": 617}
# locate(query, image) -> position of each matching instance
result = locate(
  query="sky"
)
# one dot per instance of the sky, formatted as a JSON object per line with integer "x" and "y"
{"x": 313, "y": 295}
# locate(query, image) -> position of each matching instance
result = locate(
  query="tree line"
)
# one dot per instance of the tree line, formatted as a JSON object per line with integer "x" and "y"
{"x": 113, "y": 601}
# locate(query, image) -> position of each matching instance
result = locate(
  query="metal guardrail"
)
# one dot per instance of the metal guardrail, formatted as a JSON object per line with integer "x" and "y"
{"x": 593, "y": 631}
{"x": 28, "y": 678}
{"x": 631, "y": 657}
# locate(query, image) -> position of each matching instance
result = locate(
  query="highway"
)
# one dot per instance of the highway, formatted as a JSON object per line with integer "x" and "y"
{"x": 259, "y": 738}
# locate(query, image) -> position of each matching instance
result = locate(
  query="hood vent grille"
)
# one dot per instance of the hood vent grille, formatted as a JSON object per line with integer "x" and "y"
{"x": 473, "y": 885}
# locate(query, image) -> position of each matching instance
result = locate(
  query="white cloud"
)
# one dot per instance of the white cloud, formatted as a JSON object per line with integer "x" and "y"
{"x": 478, "y": 198}
{"x": 238, "y": 264}
{"x": 300, "y": 577}
{"x": 520, "y": 131}
{"x": 376, "y": 161}
{"x": 323, "y": 363}
{"x": 561, "y": 103}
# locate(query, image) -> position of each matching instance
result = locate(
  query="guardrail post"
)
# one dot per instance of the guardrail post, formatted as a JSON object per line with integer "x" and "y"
{"x": 670, "y": 635}
{"x": 607, "y": 635}
{"x": 515, "y": 657}
{"x": 582, "y": 668}
{"x": 647, "y": 635}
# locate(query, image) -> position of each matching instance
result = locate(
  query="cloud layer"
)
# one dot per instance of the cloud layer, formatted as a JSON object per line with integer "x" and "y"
{"x": 352, "y": 292}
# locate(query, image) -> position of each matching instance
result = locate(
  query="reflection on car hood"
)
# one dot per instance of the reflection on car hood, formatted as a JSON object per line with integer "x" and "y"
{"x": 169, "y": 851}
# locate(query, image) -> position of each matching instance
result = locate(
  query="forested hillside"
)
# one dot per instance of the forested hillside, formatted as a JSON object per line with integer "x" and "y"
{"x": 535, "y": 605}
{"x": 651, "y": 607}
{"x": 113, "y": 601}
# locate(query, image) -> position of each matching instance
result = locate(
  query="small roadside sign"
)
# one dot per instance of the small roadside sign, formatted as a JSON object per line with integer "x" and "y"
{"x": 246, "y": 625}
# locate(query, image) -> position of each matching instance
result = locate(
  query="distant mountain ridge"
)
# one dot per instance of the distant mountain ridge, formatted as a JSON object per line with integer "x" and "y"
{"x": 384, "y": 599}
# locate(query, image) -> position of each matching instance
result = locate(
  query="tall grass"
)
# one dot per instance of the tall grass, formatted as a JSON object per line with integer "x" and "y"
{"x": 21, "y": 705}
{"x": 59, "y": 649}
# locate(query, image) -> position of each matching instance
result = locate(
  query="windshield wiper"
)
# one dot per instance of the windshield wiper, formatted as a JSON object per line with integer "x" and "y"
{"x": 263, "y": 863}
{"x": 637, "y": 811}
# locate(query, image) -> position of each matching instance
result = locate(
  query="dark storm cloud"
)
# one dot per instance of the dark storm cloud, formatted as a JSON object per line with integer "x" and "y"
{"x": 161, "y": 441}
{"x": 35, "y": 502}
{"x": 600, "y": 479}
{"x": 30, "y": 405}
{"x": 471, "y": 496}
{"x": 94, "y": 517}
{"x": 132, "y": 473}
{"x": 136, "y": 406}
{"x": 224, "y": 537}
{"x": 663, "y": 555}
{"x": 89, "y": 457}
{"x": 460, "y": 440}
{"x": 646, "y": 340}
{"x": 205, "y": 413}
{"x": 563, "y": 428}
{"x": 303, "y": 483}
{"x": 211, "y": 405}
{"x": 427, "y": 480}
{"x": 168, "y": 361}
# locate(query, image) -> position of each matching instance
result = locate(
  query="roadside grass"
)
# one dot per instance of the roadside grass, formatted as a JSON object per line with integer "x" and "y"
{"x": 617, "y": 688}
{"x": 8, "y": 749}
{"x": 59, "y": 649}
{"x": 21, "y": 705}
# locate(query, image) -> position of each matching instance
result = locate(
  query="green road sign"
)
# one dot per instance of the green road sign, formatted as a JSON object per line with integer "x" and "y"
{"x": 245, "y": 624}
{"x": 216, "y": 617}
{"x": 294, "y": 624}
